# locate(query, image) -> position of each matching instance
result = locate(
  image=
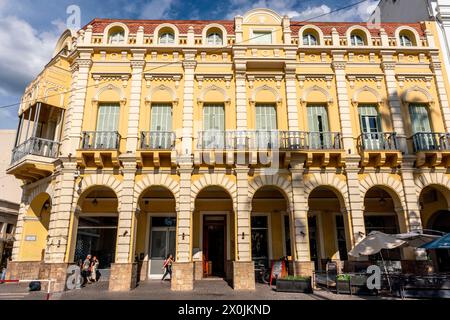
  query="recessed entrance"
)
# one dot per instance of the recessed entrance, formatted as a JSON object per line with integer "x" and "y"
{"x": 214, "y": 245}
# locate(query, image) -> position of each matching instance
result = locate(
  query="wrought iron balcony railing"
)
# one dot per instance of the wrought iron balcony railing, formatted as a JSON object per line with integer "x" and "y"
{"x": 35, "y": 146}
{"x": 431, "y": 141}
{"x": 157, "y": 140}
{"x": 373, "y": 141}
{"x": 268, "y": 140}
{"x": 100, "y": 140}
{"x": 298, "y": 140}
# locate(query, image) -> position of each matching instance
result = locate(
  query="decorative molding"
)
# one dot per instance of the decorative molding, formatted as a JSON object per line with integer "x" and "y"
{"x": 162, "y": 87}
{"x": 111, "y": 76}
{"x": 315, "y": 77}
{"x": 309, "y": 90}
{"x": 175, "y": 77}
{"x": 208, "y": 77}
{"x": 264, "y": 77}
{"x": 419, "y": 89}
{"x": 355, "y": 99}
{"x": 277, "y": 95}
{"x": 352, "y": 78}
{"x": 414, "y": 77}
{"x": 201, "y": 98}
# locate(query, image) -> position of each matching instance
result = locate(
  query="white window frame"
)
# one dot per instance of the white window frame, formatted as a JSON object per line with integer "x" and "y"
{"x": 405, "y": 41}
{"x": 214, "y": 39}
{"x": 309, "y": 36}
{"x": 354, "y": 40}
{"x": 255, "y": 38}
{"x": 165, "y": 39}
{"x": 117, "y": 37}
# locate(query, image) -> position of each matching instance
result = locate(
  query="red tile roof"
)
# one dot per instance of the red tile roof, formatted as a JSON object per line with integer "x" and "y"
{"x": 99, "y": 26}
{"x": 342, "y": 27}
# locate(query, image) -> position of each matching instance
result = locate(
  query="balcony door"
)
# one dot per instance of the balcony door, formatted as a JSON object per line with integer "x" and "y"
{"x": 318, "y": 136}
{"x": 266, "y": 126}
{"x": 370, "y": 121}
{"x": 107, "y": 126}
{"x": 421, "y": 127}
{"x": 161, "y": 127}
{"x": 213, "y": 126}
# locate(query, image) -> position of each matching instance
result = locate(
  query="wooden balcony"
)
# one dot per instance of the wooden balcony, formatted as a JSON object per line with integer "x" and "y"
{"x": 379, "y": 149}
{"x": 33, "y": 159}
{"x": 99, "y": 149}
{"x": 156, "y": 148}
{"x": 259, "y": 146}
{"x": 432, "y": 149}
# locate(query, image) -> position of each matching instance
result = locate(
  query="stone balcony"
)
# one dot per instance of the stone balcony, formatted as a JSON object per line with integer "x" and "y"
{"x": 432, "y": 149}
{"x": 33, "y": 159}
{"x": 99, "y": 149}
{"x": 156, "y": 148}
{"x": 379, "y": 149}
{"x": 258, "y": 146}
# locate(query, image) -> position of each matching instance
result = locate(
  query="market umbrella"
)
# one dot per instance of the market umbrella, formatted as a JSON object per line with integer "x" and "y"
{"x": 375, "y": 242}
{"x": 416, "y": 239}
{"x": 440, "y": 243}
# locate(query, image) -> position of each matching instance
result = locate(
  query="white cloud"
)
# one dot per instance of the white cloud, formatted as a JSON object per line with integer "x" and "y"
{"x": 295, "y": 11}
{"x": 156, "y": 9}
{"x": 23, "y": 55}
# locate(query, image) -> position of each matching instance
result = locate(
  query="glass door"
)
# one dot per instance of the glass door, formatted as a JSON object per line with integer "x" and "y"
{"x": 318, "y": 128}
{"x": 107, "y": 126}
{"x": 213, "y": 126}
{"x": 162, "y": 244}
{"x": 266, "y": 126}
{"x": 161, "y": 127}
{"x": 421, "y": 127}
{"x": 372, "y": 135}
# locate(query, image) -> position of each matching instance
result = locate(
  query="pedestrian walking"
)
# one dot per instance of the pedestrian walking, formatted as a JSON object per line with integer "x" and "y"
{"x": 85, "y": 269}
{"x": 167, "y": 266}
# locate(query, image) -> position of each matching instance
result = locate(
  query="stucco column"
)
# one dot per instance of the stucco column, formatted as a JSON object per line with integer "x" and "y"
{"x": 243, "y": 268}
{"x": 189, "y": 65}
{"x": 137, "y": 67}
{"x": 338, "y": 65}
{"x": 24, "y": 205}
{"x": 436, "y": 66}
{"x": 61, "y": 213}
{"x": 356, "y": 203}
{"x": 388, "y": 66}
{"x": 126, "y": 228}
{"x": 75, "y": 111}
{"x": 241, "y": 100}
{"x": 124, "y": 270}
{"x": 291, "y": 98}
{"x": 413, "y": 219}
{"x": 183, "y": 268}
{"x": 299, "y": 220}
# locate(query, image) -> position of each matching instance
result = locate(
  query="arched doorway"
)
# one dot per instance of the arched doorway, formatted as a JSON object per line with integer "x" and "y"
{"x": 328, "y": 227}
{"x": 270, "y": 226}
{"x": 435, "y": 214}
{"x": 156, "y": 231}
{"x": 35, "y": 229}
{"x": 95, "y": 227}
{"x": 380, "y": 214}
{"x": 213, "y": 245}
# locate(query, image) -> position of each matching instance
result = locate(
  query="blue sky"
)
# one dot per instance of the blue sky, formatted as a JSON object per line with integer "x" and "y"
{"x": 30, "y": 28}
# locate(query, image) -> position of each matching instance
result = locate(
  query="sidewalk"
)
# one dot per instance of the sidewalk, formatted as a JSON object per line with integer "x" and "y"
{"x": 203, "y": 290}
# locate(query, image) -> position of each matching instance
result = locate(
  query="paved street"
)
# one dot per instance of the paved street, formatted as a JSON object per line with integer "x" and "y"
{"x": 156, "y": 290}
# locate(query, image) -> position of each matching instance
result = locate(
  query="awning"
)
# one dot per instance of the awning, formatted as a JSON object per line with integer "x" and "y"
{"x": 441, "y": 243}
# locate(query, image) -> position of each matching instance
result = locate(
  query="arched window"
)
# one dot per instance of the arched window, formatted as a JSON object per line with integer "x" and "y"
{"x": 166, "y": 38}
{"x": 309, "y": 40}
{"x": 356, "y": 40}
{"x": 405, "y": 41}
{"x": 214, "y": 38}
{"x": 116, "y": 36}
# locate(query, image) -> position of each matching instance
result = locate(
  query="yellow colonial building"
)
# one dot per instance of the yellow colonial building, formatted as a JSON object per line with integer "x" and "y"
{"x": 230, "y": 144}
